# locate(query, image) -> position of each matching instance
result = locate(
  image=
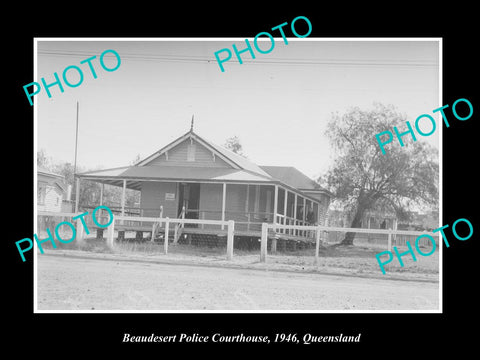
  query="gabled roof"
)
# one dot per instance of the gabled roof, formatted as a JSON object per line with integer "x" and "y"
{"x": 44, "y": 171}
{"x": 241, "y": 170}
{"x": 241, "y": 161}
{"x": 234, "y": 160}
{"x": 53, "y": 178}
{"x": 178, "y": 173}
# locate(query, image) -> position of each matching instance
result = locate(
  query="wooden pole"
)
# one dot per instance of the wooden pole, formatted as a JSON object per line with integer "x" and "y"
{"x": 224, "y": 201}
{"x": 247, "y": 215}
{"x": 395, "y": 227}
{"x": 153, "y": 232}
{"x": 77, "y": 195}
{"x": 304, "y": 210}
{"x": 110, "y": 233}
{"x": 101, "y": 200}
{"x": 319, "y": 209}
{"x": 175, "y": 234}
{"x": 285, "y": 198}
{"x": 256, "y": 206}
{"x": 389, "y": 241}
{"x": 295, "y": 214}
{"x": 123, "y": 197}
{"x": 263, "y": 243}
{"x": 304, "y": 213}
{"x": 165, "y": 244}
{"x": 273, "y": 249}
{"x": 101, "y": 194}
{"x": 317, "y": 245}
{"x": 155, "y": 225}
{"x": 80, "y": 231}
{"x": 230, "y": 232}
{"x": 275, "y": 205}
{"x": 76, "y": 143}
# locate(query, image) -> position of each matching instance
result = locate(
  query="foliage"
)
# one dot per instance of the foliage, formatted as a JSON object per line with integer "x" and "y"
{"x": 233, "y": 144}
{"x": 42, "y": 159}
{"x": 362, "y": 178}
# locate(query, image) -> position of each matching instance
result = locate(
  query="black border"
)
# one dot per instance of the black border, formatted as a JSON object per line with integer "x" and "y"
{"x": 396, "y": 332}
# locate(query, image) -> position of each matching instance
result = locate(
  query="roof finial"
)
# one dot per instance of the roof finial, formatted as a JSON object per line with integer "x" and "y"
{"x": 191, "y": 126}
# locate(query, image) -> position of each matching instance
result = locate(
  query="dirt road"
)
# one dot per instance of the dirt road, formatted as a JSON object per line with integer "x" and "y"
{"x": 67, "y": 283}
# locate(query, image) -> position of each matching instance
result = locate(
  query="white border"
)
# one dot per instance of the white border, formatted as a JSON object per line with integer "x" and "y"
{"x": 383, "y": 39}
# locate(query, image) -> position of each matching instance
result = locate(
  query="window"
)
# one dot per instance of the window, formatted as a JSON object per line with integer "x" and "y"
{"x": 191, "y": 152}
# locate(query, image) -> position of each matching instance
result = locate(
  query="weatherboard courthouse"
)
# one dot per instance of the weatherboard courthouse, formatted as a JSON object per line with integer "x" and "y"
{"x": 193, "y": 178}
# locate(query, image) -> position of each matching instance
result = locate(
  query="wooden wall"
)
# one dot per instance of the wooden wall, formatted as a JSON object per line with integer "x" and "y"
{"x": 211, "y": 200}
{"x": 235, "y": 202}
{"x": 192, "y": 155}
{"x": 52, "y": 196}
{"x": 153, "y": 195}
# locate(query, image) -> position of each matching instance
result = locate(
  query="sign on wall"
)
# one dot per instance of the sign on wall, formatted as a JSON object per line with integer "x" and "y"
{"x": 169, "y": 196}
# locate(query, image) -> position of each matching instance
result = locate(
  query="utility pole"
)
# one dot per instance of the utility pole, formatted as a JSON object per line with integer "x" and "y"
{"x": 76, "y": 141}
{"x": 74, "y": 187}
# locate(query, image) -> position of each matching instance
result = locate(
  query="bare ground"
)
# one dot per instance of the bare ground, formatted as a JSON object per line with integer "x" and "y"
{"x": 80, "y": 280}
{"x": 355, "y": 260}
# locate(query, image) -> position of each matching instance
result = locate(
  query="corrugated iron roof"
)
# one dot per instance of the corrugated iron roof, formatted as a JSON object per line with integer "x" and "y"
{"x": 45, "y": 171}
{"x": 54, "y": 178}
{"x": 245, "y": 170}
{"x": 241, "y": 161}
{"x": 293, "y": 177}
{"x": 177, "y": 173}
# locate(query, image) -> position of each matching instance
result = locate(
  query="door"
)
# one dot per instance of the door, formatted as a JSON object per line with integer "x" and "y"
{"x": 189, "y": 196}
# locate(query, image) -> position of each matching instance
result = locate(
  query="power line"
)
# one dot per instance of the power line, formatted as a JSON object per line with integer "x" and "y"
{"x": 277, "y": 61}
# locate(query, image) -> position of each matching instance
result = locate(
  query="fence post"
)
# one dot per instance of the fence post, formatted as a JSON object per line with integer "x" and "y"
{"x": 165, "y": 244}
{"x": 110, "y": 232}
{"x": 153, "y": 232}
{"x": 80, "y": 231}
{"x": 175, "y": 234}
{"x": 317, "y": 245}
{"x": 230, "y": 231}
{"x": 390, "y": 241}
{"x": 157, "y": 225}
{"x": 274, "y": 246}
{"x": 178, "y": 226}
{"x": 263, "y": 243}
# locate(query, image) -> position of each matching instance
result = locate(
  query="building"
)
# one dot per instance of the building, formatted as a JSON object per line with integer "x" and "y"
{"x": 194, "y": 178}
{"x": 52, "y": 191}
{"x": 53, "y": 196}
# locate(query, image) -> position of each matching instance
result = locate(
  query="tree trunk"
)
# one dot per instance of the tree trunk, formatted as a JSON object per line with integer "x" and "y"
{"x": 356, "y": 222}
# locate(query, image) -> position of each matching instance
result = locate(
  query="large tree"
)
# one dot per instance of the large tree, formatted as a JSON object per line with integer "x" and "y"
{"x": 362, "y": 178}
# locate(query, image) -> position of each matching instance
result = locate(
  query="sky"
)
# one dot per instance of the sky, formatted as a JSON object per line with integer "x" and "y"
{"x": 277, "y": 104}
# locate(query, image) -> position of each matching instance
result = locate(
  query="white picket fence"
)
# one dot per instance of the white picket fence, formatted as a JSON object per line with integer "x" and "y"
{"x": 230, "y": 224}
{"x": 166, "y": 221}
{"x": 318, "y": 229}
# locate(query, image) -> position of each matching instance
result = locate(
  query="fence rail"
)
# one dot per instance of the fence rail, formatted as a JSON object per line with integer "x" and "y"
{"x": 313, "y": 231}
{"x": 230, "y": 230}
{"x": 318, "y": 229}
